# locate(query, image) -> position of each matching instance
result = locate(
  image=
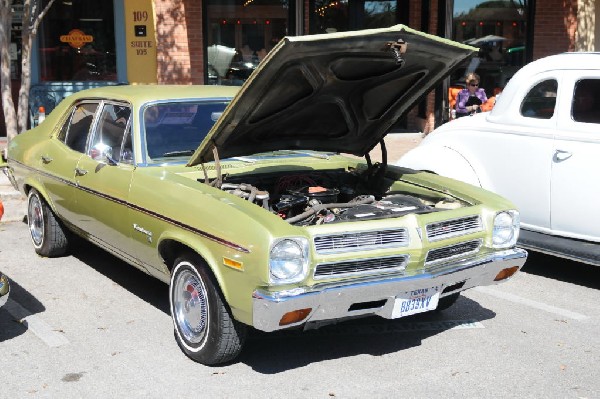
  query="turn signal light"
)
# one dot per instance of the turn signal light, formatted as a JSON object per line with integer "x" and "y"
{"x": 506, "y": 273}
{"x": 294, "y": 316}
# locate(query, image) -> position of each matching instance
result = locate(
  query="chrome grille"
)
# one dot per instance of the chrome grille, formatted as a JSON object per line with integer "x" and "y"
{"x": 452, "y": 251}
{"x": 361, "y": 240}
{"x": 361, "y": 267}
{"x": 453, "y": 228}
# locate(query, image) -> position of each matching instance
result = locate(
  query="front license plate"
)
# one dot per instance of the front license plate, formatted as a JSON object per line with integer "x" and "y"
{"x": 417, "y": 301}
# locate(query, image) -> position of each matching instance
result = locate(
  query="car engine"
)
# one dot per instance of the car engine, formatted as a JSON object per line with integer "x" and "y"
{"x": 329, "y": 197}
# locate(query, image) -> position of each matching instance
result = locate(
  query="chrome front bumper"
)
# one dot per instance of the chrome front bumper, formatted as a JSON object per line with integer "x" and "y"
{"x": 334, "y": 301}
{"x": 4, "y": 289}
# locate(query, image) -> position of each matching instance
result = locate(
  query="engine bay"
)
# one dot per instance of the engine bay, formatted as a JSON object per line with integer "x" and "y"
{"x": 320, "y": 197}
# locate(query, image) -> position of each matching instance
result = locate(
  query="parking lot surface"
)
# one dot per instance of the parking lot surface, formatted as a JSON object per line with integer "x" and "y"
{"x": 89, "y": 325}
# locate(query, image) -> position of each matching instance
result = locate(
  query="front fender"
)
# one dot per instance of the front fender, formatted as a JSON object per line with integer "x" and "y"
{"x": 237, "y": 285}
{"x": 441, "y": 160}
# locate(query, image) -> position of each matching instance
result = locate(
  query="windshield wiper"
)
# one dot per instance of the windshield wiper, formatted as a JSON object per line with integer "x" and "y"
{"x": 178, "y": 153}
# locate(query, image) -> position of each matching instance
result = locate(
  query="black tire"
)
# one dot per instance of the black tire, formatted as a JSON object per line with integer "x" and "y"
{"x": 47, "y": 235}
{"x": 447, "y": 301}
{"x": 204, "y": 327}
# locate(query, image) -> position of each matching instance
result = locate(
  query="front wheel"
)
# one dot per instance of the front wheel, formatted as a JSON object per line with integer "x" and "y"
{"x": 204, "y": 327}
{"x": 47, "y": 234}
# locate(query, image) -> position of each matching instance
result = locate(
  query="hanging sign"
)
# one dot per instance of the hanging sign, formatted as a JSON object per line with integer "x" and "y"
{"x": 76, "y": 38}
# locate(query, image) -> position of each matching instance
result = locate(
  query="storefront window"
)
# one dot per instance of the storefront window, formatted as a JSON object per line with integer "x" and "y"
{"x": 240, "y": 33}
{"x": 77, "y": 42}
{"x": 329, "y": 16}
{"x": 498, "y": 29}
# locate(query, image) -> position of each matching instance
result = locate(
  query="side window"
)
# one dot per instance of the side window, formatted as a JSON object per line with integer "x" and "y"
{"x": 540, "y": 101}
{"x": 112, "y": 125}
{"x": 79, "y": 126}
{"x": 586, "y": 100}
{"x": 127, "y": 153}
{"x": 62, "y": 135}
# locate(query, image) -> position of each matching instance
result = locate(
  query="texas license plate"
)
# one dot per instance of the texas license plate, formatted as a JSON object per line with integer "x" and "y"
{"x": 416, "y": 301}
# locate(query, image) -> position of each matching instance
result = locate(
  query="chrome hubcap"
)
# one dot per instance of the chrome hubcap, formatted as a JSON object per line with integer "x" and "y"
{"x": 35, "y": 217}
{"x": 190, "y": 306}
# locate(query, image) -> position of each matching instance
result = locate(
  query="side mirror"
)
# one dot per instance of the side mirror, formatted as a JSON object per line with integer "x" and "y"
{"x": 103, "y": 153}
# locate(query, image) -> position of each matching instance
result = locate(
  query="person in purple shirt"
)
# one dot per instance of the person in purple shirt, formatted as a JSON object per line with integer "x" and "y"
{"x": 469, "y": 100}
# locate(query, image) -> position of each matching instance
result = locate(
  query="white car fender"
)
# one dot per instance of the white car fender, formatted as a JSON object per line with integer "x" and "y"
{"x": 440, "y": 160}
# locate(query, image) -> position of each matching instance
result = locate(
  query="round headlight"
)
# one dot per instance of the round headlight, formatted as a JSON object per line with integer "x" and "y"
{"x": 506, "y": 229}
{"x": 287, "y": 261}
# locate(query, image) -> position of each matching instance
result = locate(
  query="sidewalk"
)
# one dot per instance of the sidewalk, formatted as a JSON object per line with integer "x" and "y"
{"x": 15, "y": 205}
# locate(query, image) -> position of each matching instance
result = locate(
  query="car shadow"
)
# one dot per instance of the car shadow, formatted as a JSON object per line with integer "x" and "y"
{"x": 561, "y": 269}
{"x": 276, "y": 352}
{"x": 142, "y": 285}
{"x": 20, "y": 304}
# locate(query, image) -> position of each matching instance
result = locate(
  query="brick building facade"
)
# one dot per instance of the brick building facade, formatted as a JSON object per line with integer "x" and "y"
{"x": 554, "y": 31}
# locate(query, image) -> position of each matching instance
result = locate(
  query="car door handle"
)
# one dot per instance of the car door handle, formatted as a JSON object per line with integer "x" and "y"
{"x": 80, "y": 172}
{"x": 46, "y": 159}
{"x": 561, "y": 155}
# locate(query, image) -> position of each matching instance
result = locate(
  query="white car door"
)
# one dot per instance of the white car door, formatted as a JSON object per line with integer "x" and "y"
{"x": 575, "y": 186}
{"x": 517, "y": 159}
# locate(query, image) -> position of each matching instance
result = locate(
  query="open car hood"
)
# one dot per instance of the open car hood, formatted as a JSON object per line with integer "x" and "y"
{"x": 337, "y": 92}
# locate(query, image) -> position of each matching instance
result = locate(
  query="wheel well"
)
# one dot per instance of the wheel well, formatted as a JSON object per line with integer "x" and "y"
{"x": 170, "y": 250}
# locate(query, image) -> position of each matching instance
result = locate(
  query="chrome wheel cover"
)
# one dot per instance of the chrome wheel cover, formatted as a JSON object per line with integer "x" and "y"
{"x": 190, "y": 306}
{"x": 35, "y": 219}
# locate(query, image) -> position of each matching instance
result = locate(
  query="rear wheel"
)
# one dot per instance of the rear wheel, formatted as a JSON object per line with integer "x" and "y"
{"x": 204, "y": 327}
{"x": 47, "y": 234}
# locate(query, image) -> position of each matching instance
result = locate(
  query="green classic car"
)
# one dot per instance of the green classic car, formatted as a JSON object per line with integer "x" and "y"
{"x": 241, "y": 201}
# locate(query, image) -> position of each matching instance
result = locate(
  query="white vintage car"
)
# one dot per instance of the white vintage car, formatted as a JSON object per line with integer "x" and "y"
{"x": 539, "y": 147}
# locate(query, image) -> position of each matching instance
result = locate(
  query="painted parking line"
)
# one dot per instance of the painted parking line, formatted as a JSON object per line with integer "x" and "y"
{"x": 534, "y": 304}
{"x": 36, "y": 325}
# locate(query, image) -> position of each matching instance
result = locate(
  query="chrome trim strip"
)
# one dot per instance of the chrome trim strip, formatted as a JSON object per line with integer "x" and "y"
{"x": 332, "y": 301}
{"x": 143, "y": 210}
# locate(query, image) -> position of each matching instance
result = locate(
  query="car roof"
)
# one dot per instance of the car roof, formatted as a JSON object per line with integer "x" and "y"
{"x": 140, "y": 94}
{"x": 566, "y": 61}
{"x": 526, "y": 76}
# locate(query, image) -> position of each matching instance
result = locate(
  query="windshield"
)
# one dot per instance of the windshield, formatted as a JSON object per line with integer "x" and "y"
{"x": 173, "y": 130}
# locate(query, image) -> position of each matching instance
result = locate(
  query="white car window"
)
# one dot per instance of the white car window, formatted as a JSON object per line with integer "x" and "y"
{"x": 540, "y": 101}
{"x": 586, "y": 100}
